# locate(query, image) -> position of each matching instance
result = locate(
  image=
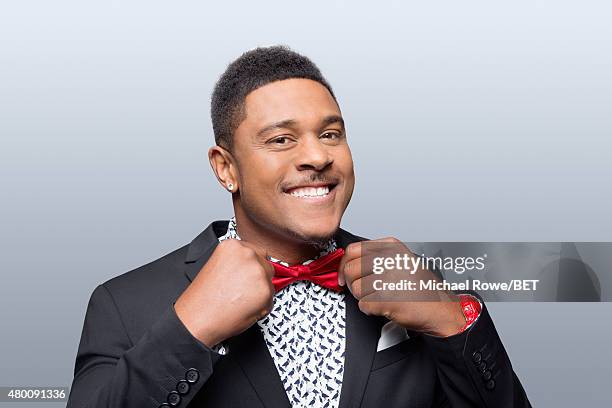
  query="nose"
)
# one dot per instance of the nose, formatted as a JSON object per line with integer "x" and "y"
{"x": 313, "y": 155}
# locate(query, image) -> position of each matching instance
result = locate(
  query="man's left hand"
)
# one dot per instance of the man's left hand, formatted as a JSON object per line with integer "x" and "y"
{"x": 437, "y": 313}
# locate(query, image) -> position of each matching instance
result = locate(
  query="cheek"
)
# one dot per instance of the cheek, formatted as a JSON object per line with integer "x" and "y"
{"x": 344, "y": 156}
{"x": 345, "y": 164}
{"x": 257, "y": 186}
{"x": 260, "y": 178}
{"x": 346, "y": 167}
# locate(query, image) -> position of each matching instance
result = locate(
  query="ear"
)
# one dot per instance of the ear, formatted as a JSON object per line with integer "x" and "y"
{"x": 224, "y": 167}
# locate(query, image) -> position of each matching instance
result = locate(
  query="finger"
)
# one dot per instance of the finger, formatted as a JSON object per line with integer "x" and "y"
{"x": 269, "y": 268}
{"x": 352, "y": 271}
{"x": 367, "y": 284}
{"x": 259, "y": 250}
{"x": 359, "y": 268}
{"x": 365, "y": 249}
{"x": 352, "y": 251}
{"x": 262, "y": 257}
{"x": 363, "y": 286}
{"x": 267, "y": 265}
{"x": 370, "y": 306}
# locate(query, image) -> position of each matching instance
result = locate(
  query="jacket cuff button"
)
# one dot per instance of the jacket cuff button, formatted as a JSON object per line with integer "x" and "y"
{"x": 182, "y": 387}
{"x": 192, "y": 375}
{"x": 174, "y": 398}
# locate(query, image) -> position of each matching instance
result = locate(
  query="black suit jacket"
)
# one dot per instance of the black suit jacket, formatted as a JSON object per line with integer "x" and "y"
{"x": 135, "y": 352}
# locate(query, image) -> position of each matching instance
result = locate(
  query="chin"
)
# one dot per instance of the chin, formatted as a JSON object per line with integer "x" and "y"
{"x": 316, "y": 235}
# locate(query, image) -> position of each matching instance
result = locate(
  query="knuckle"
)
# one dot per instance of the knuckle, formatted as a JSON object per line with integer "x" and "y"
{"x": 352, "y": 248}
{"x": 226, "y": 243}
{"x": 234, "y": 242}
{"x": 265, "y": 310}
{"x": 249, "y": 253}
{"x": 365, "y": 307}
{"x": 349, "y": 268}
{"x": 356, "y": 289}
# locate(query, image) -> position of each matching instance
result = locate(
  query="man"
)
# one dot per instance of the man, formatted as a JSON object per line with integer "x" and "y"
{"x": 275, "y": 307}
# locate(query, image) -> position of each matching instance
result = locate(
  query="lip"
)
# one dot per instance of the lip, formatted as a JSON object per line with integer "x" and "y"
{"x": 329, "y": 197}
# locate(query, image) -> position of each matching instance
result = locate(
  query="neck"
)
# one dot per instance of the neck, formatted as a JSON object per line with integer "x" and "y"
{"x": 275, "y": 244}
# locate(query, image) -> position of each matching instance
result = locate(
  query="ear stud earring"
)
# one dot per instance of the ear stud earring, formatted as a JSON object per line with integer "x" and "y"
{"x": 230, "y": 187}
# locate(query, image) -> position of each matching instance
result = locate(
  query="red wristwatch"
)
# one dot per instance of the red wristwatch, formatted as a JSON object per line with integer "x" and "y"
{"x": 471, "y": 308}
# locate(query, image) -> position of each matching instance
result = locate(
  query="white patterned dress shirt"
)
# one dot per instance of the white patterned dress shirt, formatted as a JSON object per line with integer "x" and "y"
{"x": 305, "y": 334}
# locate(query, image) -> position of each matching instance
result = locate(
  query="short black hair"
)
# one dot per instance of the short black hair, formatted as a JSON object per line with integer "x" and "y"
{"x": 252, "y": 70}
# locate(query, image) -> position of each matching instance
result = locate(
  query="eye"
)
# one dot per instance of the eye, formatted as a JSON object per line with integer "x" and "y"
{"x": 330, "y": 135}
{"x": 281, "y": 140}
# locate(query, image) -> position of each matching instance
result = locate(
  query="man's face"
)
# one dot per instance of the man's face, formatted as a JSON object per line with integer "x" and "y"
{"x": 295, "y": 167}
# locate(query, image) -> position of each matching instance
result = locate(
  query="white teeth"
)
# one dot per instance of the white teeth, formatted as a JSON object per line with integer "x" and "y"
{"x": 310, "y": 191}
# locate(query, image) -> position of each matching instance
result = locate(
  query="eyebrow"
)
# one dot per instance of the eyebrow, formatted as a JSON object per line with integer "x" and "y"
{"x": 328, "y": 120}
{"x": 291, "y": 123}
{"x": 283, "y": 124}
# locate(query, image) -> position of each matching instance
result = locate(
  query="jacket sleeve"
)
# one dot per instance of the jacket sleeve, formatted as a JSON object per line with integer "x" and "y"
{"x": 166, "y": 366}
{"x": 474, "y": 369}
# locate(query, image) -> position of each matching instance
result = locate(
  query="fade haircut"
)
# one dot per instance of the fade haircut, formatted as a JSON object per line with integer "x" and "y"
{"x": 252, "y": 70}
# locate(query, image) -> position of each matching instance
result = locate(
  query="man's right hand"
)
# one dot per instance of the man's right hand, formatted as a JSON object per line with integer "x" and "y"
{"x": 230, "y": 293}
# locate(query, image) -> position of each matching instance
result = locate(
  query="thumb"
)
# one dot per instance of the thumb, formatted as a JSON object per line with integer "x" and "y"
{"x": 263, "y": 256}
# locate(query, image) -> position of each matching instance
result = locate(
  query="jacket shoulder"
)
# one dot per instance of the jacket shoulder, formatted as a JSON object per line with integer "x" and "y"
{"x": 140, "y": 296}
{"x": 152, "y": 279}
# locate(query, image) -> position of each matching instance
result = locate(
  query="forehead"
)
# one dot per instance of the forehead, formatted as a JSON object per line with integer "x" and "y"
{"x": 296, "y": 98}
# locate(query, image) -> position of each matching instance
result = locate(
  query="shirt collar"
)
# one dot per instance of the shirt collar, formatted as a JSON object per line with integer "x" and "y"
{"x": 232, "y": 233}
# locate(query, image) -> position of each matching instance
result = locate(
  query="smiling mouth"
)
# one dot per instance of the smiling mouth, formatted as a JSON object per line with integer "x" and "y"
{"x": 320, "y": 191}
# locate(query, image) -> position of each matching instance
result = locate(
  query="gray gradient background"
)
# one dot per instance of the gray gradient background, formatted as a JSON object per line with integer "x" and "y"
{"x": 467, "y": 121}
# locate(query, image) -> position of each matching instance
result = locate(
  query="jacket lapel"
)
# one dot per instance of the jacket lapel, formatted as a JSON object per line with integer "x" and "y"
{"x": 248, "y": 349}
{"x": 362, "y": 333}
{"x": 202, "y": 247}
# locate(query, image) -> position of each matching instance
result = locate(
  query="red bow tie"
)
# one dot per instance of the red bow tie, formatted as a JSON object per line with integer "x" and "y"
{"x": 323, "y": 271}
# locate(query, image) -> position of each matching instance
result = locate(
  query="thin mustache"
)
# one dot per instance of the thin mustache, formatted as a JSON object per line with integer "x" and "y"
{"x": 315, "y": 178}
